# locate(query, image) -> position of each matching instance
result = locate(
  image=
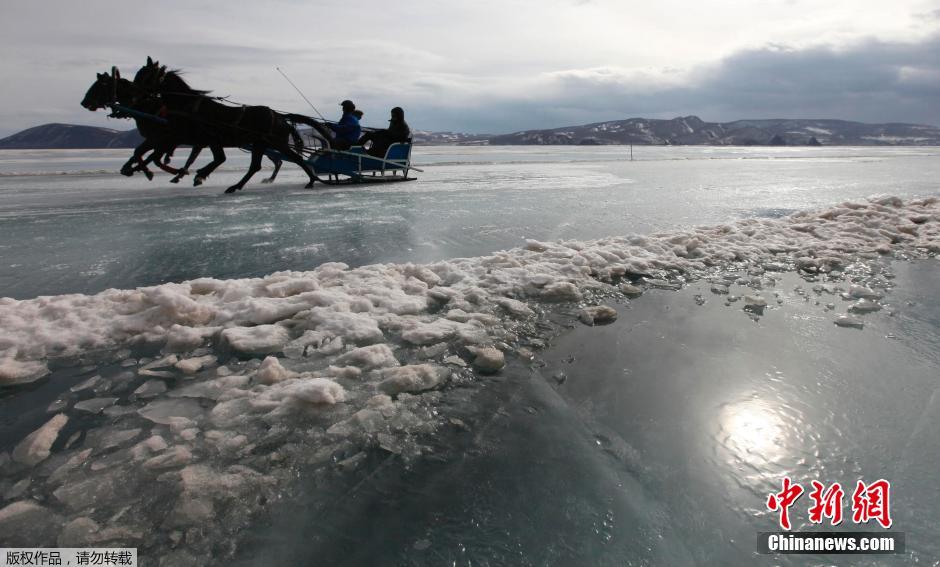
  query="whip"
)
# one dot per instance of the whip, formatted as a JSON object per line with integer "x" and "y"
{"x": 300, "y": 93}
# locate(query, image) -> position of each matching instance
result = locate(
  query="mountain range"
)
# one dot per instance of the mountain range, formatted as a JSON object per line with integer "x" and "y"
{"x": 692, "y": 130}
{"x": 686, "y": 130}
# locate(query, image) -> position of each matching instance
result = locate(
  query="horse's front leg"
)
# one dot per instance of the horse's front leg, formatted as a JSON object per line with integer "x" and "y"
{"x": 218, "y": 158}
{"x": 133, "y": 164}
{"x": 184, "y": 171}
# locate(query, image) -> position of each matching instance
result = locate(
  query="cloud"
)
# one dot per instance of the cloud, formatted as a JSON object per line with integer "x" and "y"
{"x": 492, "y": 66}
{"x": 871, "y": 81}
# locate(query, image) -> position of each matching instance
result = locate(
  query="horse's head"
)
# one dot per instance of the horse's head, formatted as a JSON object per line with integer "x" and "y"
{"x": 101, "y": 93}
{"x": 150, "y": 76}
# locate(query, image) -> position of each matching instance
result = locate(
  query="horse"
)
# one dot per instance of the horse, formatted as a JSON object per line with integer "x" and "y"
{"x": 108, "y": 89}
{"x": 192, "y": 113}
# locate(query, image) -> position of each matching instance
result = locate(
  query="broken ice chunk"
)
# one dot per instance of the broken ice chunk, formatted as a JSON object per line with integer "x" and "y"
{"x": 849, "y": 321}
{"x": 35, "y": 447}
{"x": 631, "y": 290}
{"x": 862, "y": 292}
{"x": 864, "y": 306}
{"x": 95, "y": 405}
{"x": 369, "y": 357}
{"x": 755, "y": 304}
{"x": 597, "y": 315}
{"x": 150, "y": 388}
{"x": 414, "y": 378}
{"x": 14, "y": 372}
{"x": 87, "y": 384}
{"x": 560, "y": 292}
{"x": 488, "y": 360}
{"x": 194, "y": 365}
{"x": 168, "y": 411}
{"x": 271, "y": 371}
{"x": 263, "y": 339}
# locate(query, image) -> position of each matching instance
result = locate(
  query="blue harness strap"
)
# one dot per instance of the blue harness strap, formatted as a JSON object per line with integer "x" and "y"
{"x": 139, "y": 114}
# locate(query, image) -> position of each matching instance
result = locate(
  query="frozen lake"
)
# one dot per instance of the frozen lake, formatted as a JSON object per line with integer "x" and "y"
{"x": 85, "y": 232}
{"x": 349, "y": 415}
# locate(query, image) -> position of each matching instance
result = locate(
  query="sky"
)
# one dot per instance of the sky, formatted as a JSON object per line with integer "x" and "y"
{"x": 490, "y": 66}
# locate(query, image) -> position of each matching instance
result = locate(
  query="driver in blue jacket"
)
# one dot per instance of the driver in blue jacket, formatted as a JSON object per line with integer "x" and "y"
{"x": 347, "y": 130}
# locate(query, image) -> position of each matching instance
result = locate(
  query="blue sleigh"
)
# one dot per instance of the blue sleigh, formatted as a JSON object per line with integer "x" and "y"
{"x": 355, "y": 165}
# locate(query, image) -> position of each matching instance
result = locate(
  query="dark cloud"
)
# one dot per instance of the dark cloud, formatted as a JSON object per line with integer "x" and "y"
{"x": 869, "y": 82}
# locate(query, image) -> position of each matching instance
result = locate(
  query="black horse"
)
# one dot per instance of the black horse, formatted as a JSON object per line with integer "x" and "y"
{"x": 110, "y": 89}
{"x": 192, "y": 114}
{"x": 145, "y": 109}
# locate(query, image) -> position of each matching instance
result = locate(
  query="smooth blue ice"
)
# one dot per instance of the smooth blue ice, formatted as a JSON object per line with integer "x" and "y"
{"x": 85, "y": 232}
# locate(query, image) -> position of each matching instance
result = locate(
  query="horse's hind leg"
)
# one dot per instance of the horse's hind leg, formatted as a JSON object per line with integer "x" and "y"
{"x": 277, "y": 167}
{"x": 294, "y": 157}
{"x": 218, "y": 158}
{"x": 184, "y": 171}
{"x": 257, "y": 150}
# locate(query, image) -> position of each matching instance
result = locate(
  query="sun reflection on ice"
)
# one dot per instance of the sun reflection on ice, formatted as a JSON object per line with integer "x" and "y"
{"x": 752, "y": 432}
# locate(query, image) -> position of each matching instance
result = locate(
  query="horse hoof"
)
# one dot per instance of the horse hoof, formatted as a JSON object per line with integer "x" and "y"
{"x": 309, "y": 185}
{"x": 198, "y": 181}
{"x": 127, "y": 172}
{"x": 266, "y": 181}
{"x": 149, "y": 175}
{"x": 232, "y": 189}
{"x": 175, "y": 180}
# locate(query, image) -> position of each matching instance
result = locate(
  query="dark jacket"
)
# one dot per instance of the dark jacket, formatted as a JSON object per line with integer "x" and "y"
{"x": 347, "y": 129}
{"x": 398, "y": 131}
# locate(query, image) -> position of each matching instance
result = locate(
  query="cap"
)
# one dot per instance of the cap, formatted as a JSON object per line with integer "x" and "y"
{"x": 347, "y": 103}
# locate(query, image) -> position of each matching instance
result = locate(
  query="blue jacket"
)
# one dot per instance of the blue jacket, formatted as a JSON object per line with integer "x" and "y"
{"x": 347, "y": 128}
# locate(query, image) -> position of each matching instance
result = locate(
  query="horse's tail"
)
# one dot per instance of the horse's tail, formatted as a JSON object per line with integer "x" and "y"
{"x": 322, "y": 131}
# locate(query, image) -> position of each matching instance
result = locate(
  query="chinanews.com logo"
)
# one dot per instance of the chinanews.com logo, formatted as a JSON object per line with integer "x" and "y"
{"x": 871, "y": 505}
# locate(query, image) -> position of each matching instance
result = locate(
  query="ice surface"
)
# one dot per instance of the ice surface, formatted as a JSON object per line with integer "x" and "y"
{"x": 345, "y": 334}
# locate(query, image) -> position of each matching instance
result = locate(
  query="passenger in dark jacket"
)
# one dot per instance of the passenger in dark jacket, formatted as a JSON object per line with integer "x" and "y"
{"x": 397, "y": 132}
{"x": 347, "y": 130}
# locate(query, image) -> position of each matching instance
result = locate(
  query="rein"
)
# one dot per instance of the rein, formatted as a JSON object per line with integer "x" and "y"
{"x": 137, "y": 113}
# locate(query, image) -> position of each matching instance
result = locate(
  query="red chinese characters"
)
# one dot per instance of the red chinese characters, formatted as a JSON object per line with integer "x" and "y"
{"x": 781, "y": 501}
{"x": 869, "y": 502}
{"x": 872, "y": 502}
{"x": 826, "y": 504}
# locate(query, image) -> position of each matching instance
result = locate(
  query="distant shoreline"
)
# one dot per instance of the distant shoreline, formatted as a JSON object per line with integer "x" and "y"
{"x": 680, "y": 131}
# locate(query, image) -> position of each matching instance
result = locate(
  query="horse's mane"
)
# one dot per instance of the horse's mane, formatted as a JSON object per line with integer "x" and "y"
{"x": 174, "y": 81}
